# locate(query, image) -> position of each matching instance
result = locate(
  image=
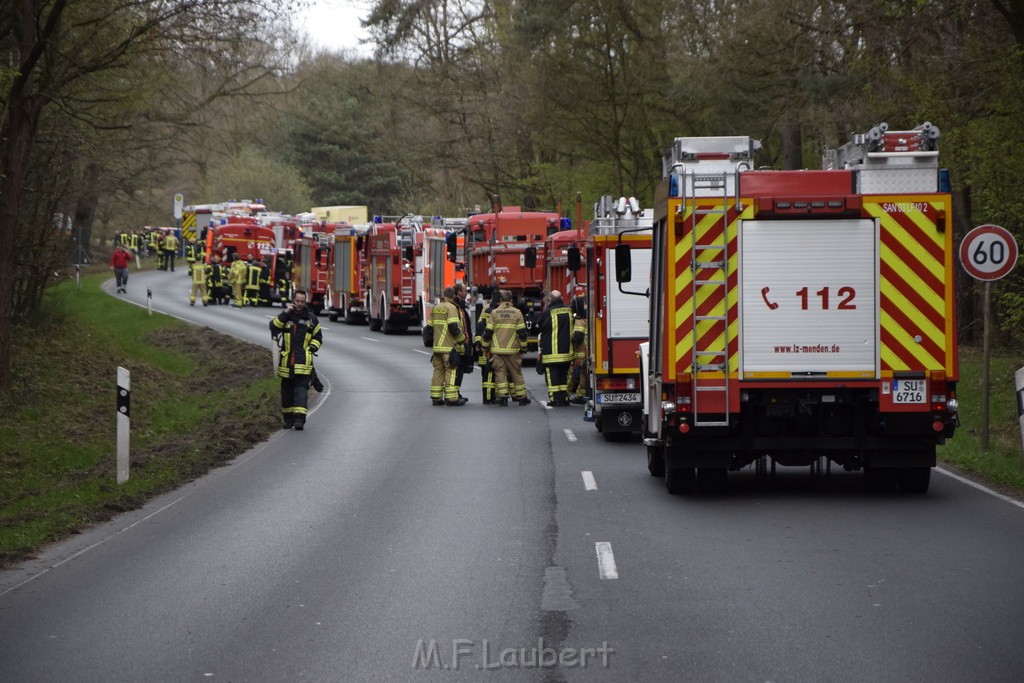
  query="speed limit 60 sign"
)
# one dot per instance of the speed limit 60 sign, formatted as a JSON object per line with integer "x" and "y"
{"x": 988, "y": 252}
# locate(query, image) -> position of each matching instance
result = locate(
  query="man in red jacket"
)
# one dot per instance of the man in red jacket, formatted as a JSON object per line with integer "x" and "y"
{"x": 119, "y": 262}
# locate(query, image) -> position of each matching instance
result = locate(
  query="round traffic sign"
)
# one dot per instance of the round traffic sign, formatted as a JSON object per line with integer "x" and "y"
{"x": 988, "y": 252}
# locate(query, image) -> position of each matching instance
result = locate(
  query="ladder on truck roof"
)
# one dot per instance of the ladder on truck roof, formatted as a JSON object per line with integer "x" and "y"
{"x": 709, "y": 262}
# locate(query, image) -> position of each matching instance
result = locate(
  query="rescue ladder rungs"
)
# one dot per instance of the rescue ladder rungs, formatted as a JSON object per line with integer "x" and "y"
{"x": 708, "y": 247}
{"x": 709, "y": 317}
{"x": 712, "y": 367}
{"x": 711, "y": 282}
{"x": 720, "y": 388}
{"x": 707, "y": 212}
{"x": 710, "y": 423}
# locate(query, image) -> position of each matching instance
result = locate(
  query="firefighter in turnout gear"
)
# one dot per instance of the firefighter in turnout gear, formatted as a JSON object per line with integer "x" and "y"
{"x": 555, "y": 348}
{"x": 191, "y": 253}
{"x": 298, "y": 333}
{"x": 504, "y": 339}
{"x": 200, "y": 273}
{"x": 486, "y": 367}
{"x": 449, "y": 337}
{"x": 253, "y": 274}
{"x": 237, "y": 276}
{"x": 264, "y": 282}
{"x": 284, "y": 276}
{"x": 579, "y": 378}
{"x": 216, "y": 280}
{"x": 170, "y": 250}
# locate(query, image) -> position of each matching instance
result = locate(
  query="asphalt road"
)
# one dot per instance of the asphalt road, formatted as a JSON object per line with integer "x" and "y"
{"x": 393, "y": 540}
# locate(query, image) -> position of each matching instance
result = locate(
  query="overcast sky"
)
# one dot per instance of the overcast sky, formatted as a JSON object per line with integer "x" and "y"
{"x": 335, "y": 24}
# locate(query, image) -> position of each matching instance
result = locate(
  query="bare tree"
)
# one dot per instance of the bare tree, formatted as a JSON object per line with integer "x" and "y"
{"x": 97, "y": 63}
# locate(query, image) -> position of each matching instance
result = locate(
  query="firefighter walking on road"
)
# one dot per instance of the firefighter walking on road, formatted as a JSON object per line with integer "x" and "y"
{"x": 504, "y": 339}
{"x": 448, "y": 337}
{"x": 555, "y": 348}
{"x": 298, "y": 332}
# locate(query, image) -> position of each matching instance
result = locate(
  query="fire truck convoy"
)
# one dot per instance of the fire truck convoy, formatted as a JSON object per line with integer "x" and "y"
{"x": 802, "y": 317}
{"x": 617, "y": 316}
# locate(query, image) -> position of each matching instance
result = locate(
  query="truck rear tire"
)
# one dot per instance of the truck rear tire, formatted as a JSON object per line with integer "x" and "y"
{"x": 914, "y": 479}
{"x": 680, "y": 480}
{"x": 656, "y": 461}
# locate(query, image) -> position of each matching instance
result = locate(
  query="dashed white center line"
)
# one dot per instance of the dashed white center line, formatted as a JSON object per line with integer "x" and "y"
{"x": 375, "y": 341}
{"x": 424, "y": 352}
{"x": 569, "y": 435}
{"x": 589, "y": 483}
{"x": 606, "y": 561}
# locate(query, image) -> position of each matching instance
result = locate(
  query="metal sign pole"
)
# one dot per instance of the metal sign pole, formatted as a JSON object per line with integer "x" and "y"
{"x": 985, "y": 348}
{"x": 1018, "y": 382}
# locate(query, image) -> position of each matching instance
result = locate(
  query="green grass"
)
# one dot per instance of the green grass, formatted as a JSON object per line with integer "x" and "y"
{"x": 1002, "y": 464}
{"x": 58, "y": 425}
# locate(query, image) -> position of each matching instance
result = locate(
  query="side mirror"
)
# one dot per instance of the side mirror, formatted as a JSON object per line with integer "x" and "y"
{"x": 530, "y": 257}
{"x": 407, "y": 254}
{"x": 573, "y": 258}
{"x": 623, "y": 263}
{"x": 452, "y": 245}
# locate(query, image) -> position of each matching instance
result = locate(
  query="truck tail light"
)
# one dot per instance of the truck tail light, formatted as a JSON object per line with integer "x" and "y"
{"x": 684, "y": 400}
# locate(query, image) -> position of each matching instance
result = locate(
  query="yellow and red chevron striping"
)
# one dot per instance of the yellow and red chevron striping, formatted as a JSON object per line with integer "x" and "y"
{"x": 915, "y": 283}
{"x": 709, "y": 299}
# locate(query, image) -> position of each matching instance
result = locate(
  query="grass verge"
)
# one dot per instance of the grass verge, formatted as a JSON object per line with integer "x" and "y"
{"x": 199, "y": 399}
{"x": 1002, "y": 464}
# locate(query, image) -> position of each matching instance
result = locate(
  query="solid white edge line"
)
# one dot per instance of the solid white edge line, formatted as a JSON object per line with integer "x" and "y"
{"x": 100, "y": 542}
{"x": 978, "y": 486}
{"x": 569, "y": 434}
{"x": 606, "y": 561}
{"x": 589, "y": 483}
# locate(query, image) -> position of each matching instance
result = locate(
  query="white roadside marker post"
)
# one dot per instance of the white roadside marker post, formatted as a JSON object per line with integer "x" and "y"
{"x": 124, "y": 412}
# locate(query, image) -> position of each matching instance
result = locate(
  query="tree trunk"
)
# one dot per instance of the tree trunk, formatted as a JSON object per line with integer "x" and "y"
{"x": 85, "y": 209}
{"x": 17, "y": 137}
{"x": 792, "y": 146}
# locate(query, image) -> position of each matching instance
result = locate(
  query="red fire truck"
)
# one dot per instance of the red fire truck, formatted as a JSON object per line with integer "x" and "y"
{"x": 395, "y": 248}
{"x": 565, "y": 261}
{"x": 311, "y": 263}
{"x": 243, "y": 238}
{"x": 505, "y": 250}
{"x": 801, "y": 317}
{"x": 617, "y": 316}
{"x": 345, "y": 276}
{"x": 443, "y": 247}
